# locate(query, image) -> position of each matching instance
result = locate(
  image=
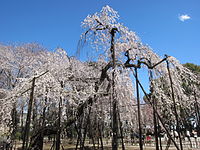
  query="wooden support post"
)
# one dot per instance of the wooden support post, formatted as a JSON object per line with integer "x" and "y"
{"x": 159, "y": 118}
{"x": 154, "y": 113}
{"x": 174, "y": 104}
{"x": 139, "y": 114}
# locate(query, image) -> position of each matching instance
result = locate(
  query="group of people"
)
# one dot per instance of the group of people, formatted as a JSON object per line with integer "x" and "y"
{"x": 188, "y": 136}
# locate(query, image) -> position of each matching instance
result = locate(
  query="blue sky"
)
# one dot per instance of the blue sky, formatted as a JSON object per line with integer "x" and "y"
{"x": 56, "y": 23}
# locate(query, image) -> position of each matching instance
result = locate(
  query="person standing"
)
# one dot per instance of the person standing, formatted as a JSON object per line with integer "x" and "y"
{"x": 188, "y": 137}
{"x": 195, "y": 137}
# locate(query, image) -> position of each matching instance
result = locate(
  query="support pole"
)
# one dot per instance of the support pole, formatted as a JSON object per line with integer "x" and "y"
{"x": 159, "y": 118}
{"x": 174, "y": 104}
{"x": 154, "y": 113}
{"x": 139, "y": 114}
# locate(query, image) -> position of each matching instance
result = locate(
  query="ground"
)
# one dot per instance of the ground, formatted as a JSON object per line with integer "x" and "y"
{"x": 66, "y": 146}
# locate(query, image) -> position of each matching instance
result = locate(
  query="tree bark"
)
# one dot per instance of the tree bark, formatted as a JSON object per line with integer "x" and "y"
{"x": 58, "y": 126}
{"x": 114, "y": 110}
{"x": 43, "y": 124}
{"x": 28, "y": 120}
{"x": 121, "y": 131}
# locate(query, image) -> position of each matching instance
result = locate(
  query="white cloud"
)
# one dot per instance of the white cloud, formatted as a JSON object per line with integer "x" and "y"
{"x": 184, "y": 17}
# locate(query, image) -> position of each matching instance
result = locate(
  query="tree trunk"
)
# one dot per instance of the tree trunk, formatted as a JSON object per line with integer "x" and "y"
{"x": 121, "y": 131}
{"x": 22, "y": 121}
{"x": 14, "y": 123}
{"x": 86, "y": 128}
{"x": 58, "y": 126}
{"x": 28, "y": 120}
{"x": 43, "y": 125}
{"x": 114, "y": 110}
{"x": 100, "y": 134}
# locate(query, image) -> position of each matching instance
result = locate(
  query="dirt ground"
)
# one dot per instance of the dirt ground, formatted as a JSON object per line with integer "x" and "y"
{"x": 72, "y": 147}
{"x": 66, "y": 146}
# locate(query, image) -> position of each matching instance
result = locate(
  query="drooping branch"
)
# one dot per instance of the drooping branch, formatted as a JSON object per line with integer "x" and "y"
{"x": 91, "y": 99}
